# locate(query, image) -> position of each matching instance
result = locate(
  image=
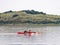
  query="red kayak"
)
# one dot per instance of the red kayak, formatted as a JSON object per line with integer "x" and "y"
{"x": 29, "y": 33}
{"x": 24, "y": 33}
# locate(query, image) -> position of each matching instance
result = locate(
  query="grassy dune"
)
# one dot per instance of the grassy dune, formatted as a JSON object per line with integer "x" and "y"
{"x": 19, "y": 17}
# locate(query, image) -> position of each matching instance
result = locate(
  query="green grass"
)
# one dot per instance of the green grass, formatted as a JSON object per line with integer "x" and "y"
{"x": 22, "y": 17}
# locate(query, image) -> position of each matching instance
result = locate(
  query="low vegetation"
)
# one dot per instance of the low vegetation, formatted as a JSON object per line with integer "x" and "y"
{"x": 28, "y": 16}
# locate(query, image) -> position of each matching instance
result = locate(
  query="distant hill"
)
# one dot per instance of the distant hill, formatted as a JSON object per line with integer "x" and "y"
{"x": 28, "y": 16}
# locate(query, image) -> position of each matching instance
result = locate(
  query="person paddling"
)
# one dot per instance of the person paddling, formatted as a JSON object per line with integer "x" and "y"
{"x": 25, "y": 32}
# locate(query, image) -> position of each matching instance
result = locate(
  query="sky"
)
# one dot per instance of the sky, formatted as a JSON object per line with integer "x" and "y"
{"x": 47, "y": 6}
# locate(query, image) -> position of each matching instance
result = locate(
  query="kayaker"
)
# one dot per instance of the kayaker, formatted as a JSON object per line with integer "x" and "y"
{"x": 25, "y": 32}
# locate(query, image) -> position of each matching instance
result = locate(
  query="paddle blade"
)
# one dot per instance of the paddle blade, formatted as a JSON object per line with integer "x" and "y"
{"x": 38, "y": 33}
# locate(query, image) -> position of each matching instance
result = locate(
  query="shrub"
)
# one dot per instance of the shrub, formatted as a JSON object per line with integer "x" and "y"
{"x": 33, "y": 12}
{"x": 15, "y": 15}
{"x": 8, "y": 11}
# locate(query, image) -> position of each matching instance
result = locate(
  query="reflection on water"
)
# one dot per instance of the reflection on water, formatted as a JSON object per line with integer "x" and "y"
{"x": 50, "y": 35}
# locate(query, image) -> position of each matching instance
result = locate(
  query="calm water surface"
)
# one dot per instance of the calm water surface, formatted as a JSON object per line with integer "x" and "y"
{"x": 50, "y": 35}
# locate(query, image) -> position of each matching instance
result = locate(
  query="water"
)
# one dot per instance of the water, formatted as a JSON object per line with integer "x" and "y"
{"x": 50, "y": 35}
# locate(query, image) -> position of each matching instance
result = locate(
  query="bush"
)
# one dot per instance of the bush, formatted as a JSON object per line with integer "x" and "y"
{"x": 8, "y": 11}
{"x": 15, "y": 15}
{"x": 33, "y": 12}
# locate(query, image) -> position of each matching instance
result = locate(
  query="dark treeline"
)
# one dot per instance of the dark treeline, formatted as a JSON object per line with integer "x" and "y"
{"x": 33, "y": 12}
{"x": 28, "y": 12}
{"x": 42, "y": 22}
{"x": 32, "y": 22}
